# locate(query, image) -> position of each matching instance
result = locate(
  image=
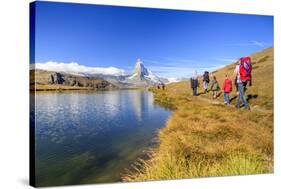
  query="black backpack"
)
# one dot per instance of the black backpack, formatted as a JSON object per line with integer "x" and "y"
{"x": 206, "y": 77}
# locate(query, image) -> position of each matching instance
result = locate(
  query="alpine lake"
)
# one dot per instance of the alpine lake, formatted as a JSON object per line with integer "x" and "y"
{"x": 92, "y": 137}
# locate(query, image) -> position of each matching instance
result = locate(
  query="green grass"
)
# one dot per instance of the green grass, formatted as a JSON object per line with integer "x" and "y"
{"x": 204, "y": 139}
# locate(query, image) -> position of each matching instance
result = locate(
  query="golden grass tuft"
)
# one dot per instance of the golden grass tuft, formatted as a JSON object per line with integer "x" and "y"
{"x": 200, "y": 144}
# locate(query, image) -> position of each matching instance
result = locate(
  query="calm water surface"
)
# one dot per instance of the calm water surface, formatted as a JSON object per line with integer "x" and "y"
{"x": 92, "y": 137}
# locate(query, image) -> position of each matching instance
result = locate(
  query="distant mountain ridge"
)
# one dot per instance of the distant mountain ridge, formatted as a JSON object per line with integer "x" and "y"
{"x": 49, "y": 80}
{"x": 141, "y": 76}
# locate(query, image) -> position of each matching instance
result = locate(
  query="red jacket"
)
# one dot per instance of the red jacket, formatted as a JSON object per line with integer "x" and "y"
{"x": 227, "y": 86}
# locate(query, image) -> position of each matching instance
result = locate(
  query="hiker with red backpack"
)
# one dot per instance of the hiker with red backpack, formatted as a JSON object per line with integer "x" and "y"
{"x": 227, "y": 88}
{"x": 243, "y": 77}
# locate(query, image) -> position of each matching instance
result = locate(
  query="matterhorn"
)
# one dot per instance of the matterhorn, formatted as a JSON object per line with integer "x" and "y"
{"x": 142, "y": 76}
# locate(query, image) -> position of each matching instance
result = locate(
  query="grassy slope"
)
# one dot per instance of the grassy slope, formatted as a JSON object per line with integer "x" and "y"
{"x": 262, "y": 79}
{"x": 203, "y": 139}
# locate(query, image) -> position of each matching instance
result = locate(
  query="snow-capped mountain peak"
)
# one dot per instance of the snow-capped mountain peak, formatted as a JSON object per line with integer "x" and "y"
{"x": 139, "y": 69}
{"x": 142, "y": 75}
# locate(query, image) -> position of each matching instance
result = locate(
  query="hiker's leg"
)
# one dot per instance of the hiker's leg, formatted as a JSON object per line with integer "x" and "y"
{"x": 245, "y": 86}
{"x": 224, "y": 97}
{"x": 227, "y": 98}
{"x": 205, "y": 84}
{"x": 241, "y": 92}
{"x": 238, "y": 101}
{"x": 245, "y": 102}
{"x": 214, "y": 94}
{"x": 244, "y": 99}
{"x": 237, "y": 90}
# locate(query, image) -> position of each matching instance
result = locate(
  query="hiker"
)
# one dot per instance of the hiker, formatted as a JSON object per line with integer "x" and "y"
{"x": 158, "y": 86}
{"x": 194, "y": 83}
{"x": 163, "y": 86}
{"x": 243, "y": 77}
{"x": 206, "y": 81}
{"x": 215, "y": 87}
{"x": 227, "y": 88}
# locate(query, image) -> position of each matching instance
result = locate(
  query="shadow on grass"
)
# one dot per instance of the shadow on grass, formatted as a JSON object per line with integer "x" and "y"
{"x": 201, "y": 93}
{"x": 233, "y": 98}
{"x": 250, "y": 97}
{"x": 219, "y": 94}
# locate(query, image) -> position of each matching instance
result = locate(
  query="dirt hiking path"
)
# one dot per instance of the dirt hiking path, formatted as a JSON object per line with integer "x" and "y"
{"x": 216, "y": 102}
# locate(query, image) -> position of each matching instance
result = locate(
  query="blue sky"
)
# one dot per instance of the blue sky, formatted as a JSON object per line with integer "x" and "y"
{"x": 170, "y": 43}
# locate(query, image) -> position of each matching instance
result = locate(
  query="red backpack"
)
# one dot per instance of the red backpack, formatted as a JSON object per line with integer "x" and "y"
{"x": 245, "y": 68}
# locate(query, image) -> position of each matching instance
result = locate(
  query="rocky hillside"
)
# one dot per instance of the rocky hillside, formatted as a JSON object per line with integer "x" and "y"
{"x": 48, "y": 80}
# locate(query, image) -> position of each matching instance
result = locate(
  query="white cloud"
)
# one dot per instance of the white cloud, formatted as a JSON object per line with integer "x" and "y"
{"x": 228, "y": 60}
{"x": 176, "y": 68}
{"x": 173, "y": 79}
{"x": 252, "y": 43}
{"x": 258, "y": 43}
{"x": 76, "y": 68}
{"x": 183, "y": 71}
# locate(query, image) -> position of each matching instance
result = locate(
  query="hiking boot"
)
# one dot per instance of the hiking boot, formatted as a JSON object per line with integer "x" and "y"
{"x": 244, "y": 108}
